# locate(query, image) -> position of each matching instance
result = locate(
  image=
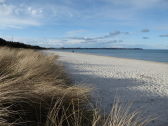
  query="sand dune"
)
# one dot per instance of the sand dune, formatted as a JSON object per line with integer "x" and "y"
{"x": 142, "y": 82}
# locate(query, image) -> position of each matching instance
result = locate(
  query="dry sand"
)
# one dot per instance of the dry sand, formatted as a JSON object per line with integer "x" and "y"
{"x": 144, "y": 83}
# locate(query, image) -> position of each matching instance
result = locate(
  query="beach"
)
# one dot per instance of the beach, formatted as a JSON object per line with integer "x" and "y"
{"x": 142, "y": 83}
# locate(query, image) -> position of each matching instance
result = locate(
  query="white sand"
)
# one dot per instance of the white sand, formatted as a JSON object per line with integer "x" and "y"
{"x": 142, "y": 82}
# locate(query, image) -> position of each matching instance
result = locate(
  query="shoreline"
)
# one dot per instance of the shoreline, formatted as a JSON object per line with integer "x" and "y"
{"x": 111, "y": 56}
{"x": 144, "y": 83}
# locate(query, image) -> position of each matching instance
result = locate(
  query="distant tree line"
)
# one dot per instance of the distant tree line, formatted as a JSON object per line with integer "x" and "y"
{"x": 18, "y": 45}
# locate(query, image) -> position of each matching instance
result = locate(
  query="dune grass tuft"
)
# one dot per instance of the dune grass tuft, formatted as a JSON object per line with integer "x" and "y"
{"x": 35, "y": 91}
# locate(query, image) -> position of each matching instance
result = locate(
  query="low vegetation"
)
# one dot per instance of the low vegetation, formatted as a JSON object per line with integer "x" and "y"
{"x": 12, "y": 44}
{"x": 35, "y": 91}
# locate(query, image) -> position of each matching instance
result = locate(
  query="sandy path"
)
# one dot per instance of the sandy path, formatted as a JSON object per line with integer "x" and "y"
{"x": 142, "y": 82}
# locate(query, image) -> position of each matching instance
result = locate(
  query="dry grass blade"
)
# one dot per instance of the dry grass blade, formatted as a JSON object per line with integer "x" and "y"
{"x": 30, "y": 84}
{"x": 121, "y": 115}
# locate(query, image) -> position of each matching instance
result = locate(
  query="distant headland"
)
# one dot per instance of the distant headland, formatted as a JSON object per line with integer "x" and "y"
{"x": 102, "y": 48}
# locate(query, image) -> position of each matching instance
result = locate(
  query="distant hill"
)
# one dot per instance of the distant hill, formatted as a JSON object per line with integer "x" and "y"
{"x": 18, "y": 45}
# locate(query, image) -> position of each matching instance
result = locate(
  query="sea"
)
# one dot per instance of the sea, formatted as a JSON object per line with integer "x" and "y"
{"x": 155, "y": 55}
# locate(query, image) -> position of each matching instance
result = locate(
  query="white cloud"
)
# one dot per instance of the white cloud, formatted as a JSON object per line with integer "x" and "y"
{"x": 6, "y": 10}
{"x": 2, "y": 1}
{"x": 18, "y": 16}
{"x": 14, "y": 22}
{"x": 23, "y": 14}
{"x": 35, "y": 12}
{"x": 38, "y": 13}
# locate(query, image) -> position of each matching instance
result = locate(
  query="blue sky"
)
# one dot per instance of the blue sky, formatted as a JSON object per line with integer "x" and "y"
{"x": 86, "y": 23}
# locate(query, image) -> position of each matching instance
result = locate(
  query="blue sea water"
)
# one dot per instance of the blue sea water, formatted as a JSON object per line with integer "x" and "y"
{"x": 145, "y": 54}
